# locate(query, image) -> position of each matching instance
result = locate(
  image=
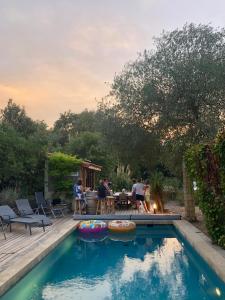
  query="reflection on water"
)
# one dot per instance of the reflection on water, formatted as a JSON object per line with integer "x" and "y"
{"x": 153, "y": 264}
{"x": 78, "y": 288}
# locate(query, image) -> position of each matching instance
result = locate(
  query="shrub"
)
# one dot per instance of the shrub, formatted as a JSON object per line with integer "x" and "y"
{"x": 8, "y": 196}
{"x": 121, "y": 181}
{"x": 60, "y": 167}
{"x": 157, "y": 183}
{"x": 172, "y": 189}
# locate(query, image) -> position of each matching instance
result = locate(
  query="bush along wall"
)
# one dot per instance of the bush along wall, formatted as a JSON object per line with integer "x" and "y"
{"x": 206, "y": 165}
{"x": 60, "y": 167}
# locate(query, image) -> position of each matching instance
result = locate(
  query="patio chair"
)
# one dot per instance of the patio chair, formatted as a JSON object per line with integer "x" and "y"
{"x": 3, "y": 231}
{"x": 25, "y": 210}
{"x": 8, "y": 216}
{"x": 123, "y": 201}
{"x": 46, "y": 207}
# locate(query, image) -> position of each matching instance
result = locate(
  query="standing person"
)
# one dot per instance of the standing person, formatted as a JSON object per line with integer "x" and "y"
{"x": 102, "y": 191}
{"x": 133, "y": 193}
{"x": 101, "y": 195}
{"x": 133, "y": 187}
{"x": 78, "y": 192}
{"x": 106, "y": 184}
{"x": 147, "y": 194}
{"x": 140, "y": 192}
{"x": 110, "y": 188}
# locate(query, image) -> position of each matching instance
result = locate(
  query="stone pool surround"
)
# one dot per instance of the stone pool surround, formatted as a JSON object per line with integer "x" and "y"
{"x": 212, "y": 254}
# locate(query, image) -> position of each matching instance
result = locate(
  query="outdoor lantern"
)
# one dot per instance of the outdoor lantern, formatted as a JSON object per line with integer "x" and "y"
{"x": 154, "y": 207}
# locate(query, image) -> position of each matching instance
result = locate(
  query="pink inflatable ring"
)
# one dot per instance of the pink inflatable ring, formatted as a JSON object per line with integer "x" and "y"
{"x": 93, "y": 226}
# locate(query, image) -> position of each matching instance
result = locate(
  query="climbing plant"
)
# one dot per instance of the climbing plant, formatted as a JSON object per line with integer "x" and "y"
{"x": 60, "y": 167}
{"x": 206, "y": 165}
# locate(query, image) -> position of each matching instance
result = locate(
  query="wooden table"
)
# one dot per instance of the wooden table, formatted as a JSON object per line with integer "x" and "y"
{"x": 128, "y": 194}
{"x": 129, "y": 199}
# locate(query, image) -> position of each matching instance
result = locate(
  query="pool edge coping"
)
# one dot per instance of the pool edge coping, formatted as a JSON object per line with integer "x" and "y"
{"x": 10, "y": 276}
{"x": 212, "y": 254}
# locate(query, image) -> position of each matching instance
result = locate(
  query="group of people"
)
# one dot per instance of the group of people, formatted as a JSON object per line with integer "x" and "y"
{"x": 103, "y": 191}
{"x": 141, "y": 194}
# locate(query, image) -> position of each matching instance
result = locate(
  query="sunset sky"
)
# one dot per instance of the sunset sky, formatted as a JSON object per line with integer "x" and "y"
{"x": 57, "y": 55}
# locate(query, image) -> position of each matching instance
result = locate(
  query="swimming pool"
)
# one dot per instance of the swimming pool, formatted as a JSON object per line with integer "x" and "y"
{"x": 154, "y": 263}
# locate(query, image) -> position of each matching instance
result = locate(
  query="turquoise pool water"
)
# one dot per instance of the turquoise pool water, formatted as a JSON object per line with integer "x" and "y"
{"x": 154, "y": 263}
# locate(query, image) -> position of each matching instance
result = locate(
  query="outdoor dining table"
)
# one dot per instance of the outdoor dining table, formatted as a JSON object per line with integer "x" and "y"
{"x": 129, "y": 198}
{"x": 128, "y": 194}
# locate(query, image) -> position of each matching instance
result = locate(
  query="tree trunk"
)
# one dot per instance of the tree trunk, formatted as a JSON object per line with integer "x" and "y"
{"x": 188, "y": 196}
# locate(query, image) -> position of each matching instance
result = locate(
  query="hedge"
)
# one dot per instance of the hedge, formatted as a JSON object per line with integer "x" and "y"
{"x": 206, "y": 165}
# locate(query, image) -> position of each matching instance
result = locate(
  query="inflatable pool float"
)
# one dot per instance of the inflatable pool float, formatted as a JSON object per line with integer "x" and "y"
{"x": 92, "y": 226}
{"x": 121, "y": 226}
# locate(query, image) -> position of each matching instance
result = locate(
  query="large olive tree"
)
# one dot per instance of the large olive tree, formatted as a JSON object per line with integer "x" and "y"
{"x": 176, "y": 90}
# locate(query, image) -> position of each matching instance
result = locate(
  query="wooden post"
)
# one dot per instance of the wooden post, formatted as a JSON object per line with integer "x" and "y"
{"x": 188, "y": 196}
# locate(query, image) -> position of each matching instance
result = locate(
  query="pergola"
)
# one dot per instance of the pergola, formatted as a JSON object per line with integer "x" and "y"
{"x": 88, "y": 173}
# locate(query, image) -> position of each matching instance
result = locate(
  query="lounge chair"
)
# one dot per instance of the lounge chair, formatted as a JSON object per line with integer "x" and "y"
{"x": 3, "y": 231}
{"x": 9, "y": 217}
{"x": 46, "y": 207}
{"x": 25, "y": 210}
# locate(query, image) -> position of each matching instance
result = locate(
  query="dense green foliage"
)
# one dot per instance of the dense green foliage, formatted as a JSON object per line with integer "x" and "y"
{"x": 60, "y": 168}
{"x": 157, "y": 183}
{"x": 206, "y": 165}
{"x": 23, "y": 144}
{"x": 121, "y": 181}
{"x": 175, "y": 93}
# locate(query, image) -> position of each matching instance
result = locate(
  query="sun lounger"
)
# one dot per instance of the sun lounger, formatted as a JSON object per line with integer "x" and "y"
{"x": 9, "y": 217}
{"x": 25, "y": 210}
{"x": 46, "y": 207}
{"x": 3, "y": 231}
